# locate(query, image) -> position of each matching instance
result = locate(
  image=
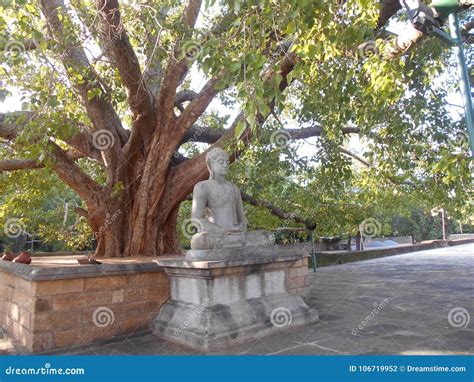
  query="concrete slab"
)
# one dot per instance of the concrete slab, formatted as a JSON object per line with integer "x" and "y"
{"x": 429, "y": 310}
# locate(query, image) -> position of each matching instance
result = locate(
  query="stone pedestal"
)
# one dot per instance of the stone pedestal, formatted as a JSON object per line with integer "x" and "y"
{"x": 215, "y": 304}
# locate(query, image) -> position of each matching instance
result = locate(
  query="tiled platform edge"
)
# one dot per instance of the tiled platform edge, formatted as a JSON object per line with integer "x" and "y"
{"x": 46, "y": 308}
{"x": 43, "y": 308}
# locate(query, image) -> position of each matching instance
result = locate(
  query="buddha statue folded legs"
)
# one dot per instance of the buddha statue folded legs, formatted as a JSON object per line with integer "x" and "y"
{"x": 208, "y": 240}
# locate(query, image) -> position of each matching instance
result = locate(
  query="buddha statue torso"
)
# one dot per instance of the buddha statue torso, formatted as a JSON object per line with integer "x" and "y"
{"x": 218, "y": 211}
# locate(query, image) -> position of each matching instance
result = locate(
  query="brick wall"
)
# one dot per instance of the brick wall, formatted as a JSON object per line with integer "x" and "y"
{"x": 47, "y": 315}
{"x": 297, "y": 277}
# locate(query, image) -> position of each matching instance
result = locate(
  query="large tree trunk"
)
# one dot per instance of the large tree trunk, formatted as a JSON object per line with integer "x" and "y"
{"x": 140, "y": 221}
{"x": 111, "y": 229}
{"x": 167, "y": 241}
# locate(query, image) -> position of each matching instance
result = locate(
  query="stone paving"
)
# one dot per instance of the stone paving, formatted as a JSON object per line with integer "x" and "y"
{"x": 416, "y": 303}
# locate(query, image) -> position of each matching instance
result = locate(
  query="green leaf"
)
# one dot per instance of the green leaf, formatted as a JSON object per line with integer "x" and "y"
{"x": 239, "y": 129}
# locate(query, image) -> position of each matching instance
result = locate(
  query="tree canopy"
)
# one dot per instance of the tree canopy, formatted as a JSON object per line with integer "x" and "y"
{"x": 326, "y": 125}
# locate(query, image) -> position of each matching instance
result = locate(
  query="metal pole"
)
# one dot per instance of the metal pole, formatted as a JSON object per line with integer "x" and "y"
{"x": 313, "y": 255}
{"x": 463, "y": 77}
{"x": 444, "y": 227}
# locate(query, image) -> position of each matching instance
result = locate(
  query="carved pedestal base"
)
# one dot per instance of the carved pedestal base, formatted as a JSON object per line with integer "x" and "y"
{"x": 216, "y": 304}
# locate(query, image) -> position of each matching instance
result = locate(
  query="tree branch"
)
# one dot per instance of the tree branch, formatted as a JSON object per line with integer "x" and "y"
{"x": 387, "y": 9}
{"x": 81, "y": 211}
{"x": 99, "y": 109}
{"x": 29, "y": 164}
{"x": 184, "y": 96}
{"x": 118, "y": 48}
{"x": 278, "y": 211}
{"x": 371, "y": 165}
{"x": 207, "y": 135}
{"x": 11, "y": 122}
{"x": 197, "y": 107}
{"x": 71, "y": 174}
{"x": 165, "y": 100}
{"x": 81, "y": 141}
{"x": 202, "y": 134}
{"x": 19, "y": 164}
{"x": 274, "y": 210}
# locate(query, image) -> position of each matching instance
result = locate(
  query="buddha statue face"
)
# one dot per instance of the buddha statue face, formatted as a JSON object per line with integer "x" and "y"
{"x": 217, "y": 163}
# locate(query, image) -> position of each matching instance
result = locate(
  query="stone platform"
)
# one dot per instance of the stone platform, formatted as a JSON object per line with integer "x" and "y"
{"x": 55, "y": 303}
{"x": 422, "y": 289}
{"x": 215, "y": 304}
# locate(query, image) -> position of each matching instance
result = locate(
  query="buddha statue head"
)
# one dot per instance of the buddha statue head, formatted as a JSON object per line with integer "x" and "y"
{"x": 217, "y": 162}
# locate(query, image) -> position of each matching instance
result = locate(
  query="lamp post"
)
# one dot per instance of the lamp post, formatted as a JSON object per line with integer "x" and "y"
{"x": 463, "y": 76}
{"x": 435, "y": 212}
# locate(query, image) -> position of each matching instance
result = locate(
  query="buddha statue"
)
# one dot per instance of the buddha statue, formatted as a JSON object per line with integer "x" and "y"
{"x": 218, "y": 211}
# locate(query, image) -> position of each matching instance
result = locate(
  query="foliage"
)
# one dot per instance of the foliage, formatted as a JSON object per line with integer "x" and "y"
{"x": 414, "y": 145}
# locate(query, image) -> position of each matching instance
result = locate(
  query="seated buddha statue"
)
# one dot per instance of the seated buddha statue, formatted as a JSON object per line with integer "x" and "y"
{"x": 218, "y": 211}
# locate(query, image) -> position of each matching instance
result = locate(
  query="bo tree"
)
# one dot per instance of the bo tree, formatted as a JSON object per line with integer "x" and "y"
{"x": 109, "y": 101}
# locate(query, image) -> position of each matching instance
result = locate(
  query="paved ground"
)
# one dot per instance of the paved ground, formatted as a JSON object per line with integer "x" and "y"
{"x": 416, "y": 303}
